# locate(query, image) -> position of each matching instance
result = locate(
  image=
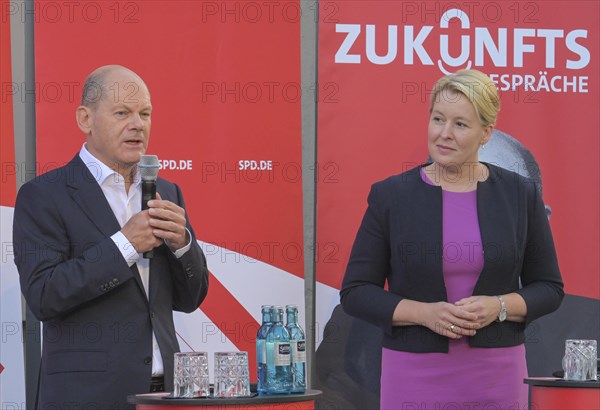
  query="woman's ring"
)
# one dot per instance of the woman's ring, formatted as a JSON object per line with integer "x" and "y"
{"x": 452, "y": 327}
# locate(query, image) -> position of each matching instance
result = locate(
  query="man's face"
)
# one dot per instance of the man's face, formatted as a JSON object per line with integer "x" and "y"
{"x": 455, "y": 133}
{"x": 118, "y": 126}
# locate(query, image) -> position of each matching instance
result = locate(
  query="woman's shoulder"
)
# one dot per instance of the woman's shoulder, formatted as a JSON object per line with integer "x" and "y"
{"x": 510, "y": 177}
{"x": 395, "y": 190}
{"x": 512, "y": 184}
{"x": 404, "y": 179}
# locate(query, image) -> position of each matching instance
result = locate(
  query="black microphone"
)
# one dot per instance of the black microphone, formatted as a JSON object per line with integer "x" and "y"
{"x": 149, "y": 171}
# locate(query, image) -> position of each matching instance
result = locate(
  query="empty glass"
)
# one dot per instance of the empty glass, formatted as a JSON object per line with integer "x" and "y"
{"x": 191, "y": 375}
{"x": 231, "y": 374}
{"x": 580, "y": 361}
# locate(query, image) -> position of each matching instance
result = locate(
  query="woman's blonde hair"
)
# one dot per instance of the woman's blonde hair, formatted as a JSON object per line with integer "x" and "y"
{"x": 479, "y": 89}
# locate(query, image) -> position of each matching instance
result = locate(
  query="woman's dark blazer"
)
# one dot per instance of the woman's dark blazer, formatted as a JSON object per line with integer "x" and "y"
{"x": 400, "y": 242}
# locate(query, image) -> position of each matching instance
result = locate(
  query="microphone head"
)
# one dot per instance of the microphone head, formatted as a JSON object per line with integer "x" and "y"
{"x": 149, "y": 166}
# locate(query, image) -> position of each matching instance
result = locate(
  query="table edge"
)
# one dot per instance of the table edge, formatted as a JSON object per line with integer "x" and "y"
{"x": 557, "y": 382}
{"x": 153, "y": 398}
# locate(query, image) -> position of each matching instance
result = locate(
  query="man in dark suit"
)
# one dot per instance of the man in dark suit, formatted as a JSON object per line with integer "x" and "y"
{"x": 79, "y": 234}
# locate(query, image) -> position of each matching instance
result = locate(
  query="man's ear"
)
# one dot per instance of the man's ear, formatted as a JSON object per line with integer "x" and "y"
{"x": 83, "y": 115}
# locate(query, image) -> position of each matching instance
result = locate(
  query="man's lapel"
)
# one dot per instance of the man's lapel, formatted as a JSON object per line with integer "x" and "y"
{"x": 88, "y": 195}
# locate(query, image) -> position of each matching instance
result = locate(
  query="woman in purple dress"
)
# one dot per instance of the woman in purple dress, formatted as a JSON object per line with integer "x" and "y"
{"x": 466, "y": 253}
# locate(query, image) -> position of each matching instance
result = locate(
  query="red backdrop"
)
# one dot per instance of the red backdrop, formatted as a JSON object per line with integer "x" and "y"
{"x": 12, "y": 369}
{"x": 378, "y": 124}
{"x": 7, "y": 154}
{"x": 225, "y": 85}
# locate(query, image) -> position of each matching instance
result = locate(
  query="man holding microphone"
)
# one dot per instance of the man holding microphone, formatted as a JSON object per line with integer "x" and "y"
{"x": 79, "y": 237}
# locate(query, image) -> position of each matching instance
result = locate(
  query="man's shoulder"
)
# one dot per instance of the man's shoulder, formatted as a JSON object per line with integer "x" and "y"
{"x": 162, "y": 183}
{"x": 167, "y": 189}
{"x": 52, "y": 174}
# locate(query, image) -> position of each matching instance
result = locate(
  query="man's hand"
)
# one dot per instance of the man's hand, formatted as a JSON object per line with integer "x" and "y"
{"x": 140, "y": 232}
{"x": 168, "y": 222}
{"x": 163, "y": 221}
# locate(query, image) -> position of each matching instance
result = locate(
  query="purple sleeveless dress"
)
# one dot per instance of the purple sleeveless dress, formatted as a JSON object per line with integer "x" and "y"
{"x": 465, "y": 378}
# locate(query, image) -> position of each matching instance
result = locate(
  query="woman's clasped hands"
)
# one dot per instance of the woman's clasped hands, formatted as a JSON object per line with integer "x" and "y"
{"x": 463, "y": 318}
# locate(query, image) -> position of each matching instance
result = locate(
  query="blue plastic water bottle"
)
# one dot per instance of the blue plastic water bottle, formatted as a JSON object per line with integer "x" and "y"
{"x": 298, "y": 345}
{"x": 261, "y": 348}
{"x": 279, "y": 374}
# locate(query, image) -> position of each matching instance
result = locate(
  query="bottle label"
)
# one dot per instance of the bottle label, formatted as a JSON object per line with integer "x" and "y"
{"x": 298, "y": 351}
{"x": 282, "y": 354}
{"x": 261, "y": 351}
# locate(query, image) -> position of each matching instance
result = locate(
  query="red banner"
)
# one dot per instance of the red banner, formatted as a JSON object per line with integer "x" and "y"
{"x": 7, "y": 153}
{"x": 384, "y": 58}
{"x": 12, "y": 368}
{"x": 225, "y": 85}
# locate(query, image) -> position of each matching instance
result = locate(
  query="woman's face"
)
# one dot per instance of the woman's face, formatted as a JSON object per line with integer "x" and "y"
{"x": 455, "y": 133}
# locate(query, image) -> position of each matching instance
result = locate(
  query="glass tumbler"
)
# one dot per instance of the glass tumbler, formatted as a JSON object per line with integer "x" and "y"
{"x": 231, "y": 374}
{"x": 580, "y": 360}
{"x": 191, "y": 375}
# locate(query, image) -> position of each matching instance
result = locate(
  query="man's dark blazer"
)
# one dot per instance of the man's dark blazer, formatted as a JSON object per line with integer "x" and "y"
{"x": 97, "y": 319}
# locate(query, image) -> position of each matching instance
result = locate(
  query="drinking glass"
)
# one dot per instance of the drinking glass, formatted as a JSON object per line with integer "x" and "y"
{"x": 191, "y": 375}
{"x": 231, "y": 374}
{"x": 580, "y": 360}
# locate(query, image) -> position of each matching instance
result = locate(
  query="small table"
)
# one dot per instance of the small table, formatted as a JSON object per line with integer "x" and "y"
{"x": 158, "y": 401}
{"x": 550, "y": 393}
